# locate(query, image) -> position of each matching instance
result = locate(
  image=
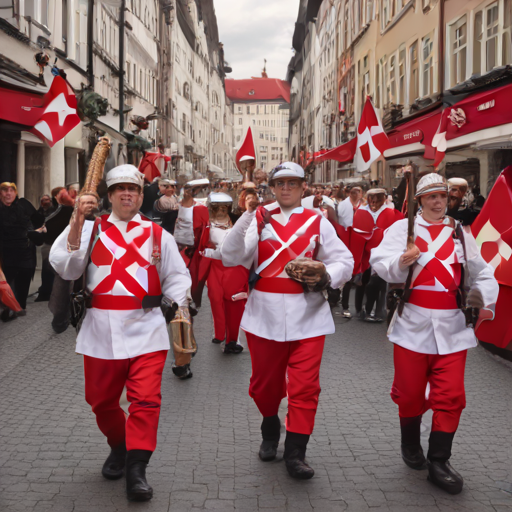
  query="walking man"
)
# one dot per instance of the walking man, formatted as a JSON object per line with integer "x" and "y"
{"x": 430, "y": 336}
{"x": 130, "y": 263}
{"x": 297, "y": 255}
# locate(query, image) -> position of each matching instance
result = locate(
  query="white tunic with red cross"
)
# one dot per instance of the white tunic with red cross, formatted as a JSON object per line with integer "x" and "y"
{"x": 120, "y": 276}
{"x": 277, "y": 308}
{"x": 431, "y": 322}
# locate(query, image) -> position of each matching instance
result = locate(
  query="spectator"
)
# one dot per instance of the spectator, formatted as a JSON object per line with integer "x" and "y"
{"x": 18, "y": 217}
{"x": 167, "y": 206}
{"x": 46, "y": 205}
{"x": 55, "y": 223}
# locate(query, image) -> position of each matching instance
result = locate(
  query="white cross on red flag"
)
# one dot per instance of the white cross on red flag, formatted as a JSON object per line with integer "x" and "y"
{"x": 372, "y": 140}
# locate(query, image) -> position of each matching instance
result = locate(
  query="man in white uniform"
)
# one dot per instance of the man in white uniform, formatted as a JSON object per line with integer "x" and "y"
{"x": 130, "y": 263}
{"x": 286, "y": 320}
{"x": 430, "y": 336}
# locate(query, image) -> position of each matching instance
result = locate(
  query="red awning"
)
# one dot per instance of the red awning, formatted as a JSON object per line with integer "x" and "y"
{"x": 482, "y": 110}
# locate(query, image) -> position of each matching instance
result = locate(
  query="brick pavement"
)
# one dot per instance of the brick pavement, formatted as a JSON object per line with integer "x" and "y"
{"x": 51, "y": 451}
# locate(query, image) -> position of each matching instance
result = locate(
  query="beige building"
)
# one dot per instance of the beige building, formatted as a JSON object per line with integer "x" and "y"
{"x": 263, "y": 105}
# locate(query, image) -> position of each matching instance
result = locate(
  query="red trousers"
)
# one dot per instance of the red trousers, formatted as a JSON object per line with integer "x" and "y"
{"x": 444, "y": 373}
{"x": 224, "y": 282}
{"x": 287, "y": 368}
{"x": 104, "y": 383}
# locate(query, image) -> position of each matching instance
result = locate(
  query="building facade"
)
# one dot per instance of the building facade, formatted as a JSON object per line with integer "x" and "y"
{"x": 263, "y": 105}
{"x": 424, "y": 63}
{"x": 150, "y": 75}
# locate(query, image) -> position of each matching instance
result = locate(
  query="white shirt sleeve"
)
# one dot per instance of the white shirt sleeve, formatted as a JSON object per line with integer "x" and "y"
{"x": 333, "y": 253}
{"x": 174, "y": 275}
{"x": 184, "y": 228}
{"x": 345, "y": 213}
{"x": 481, "y": 274}
{"x": 241, "y": 243}
{"x": 385, "y": 257}
{"x": 71, "y": 265}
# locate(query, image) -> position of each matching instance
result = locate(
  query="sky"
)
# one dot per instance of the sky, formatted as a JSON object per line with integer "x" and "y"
{"x": 253, "y": 30}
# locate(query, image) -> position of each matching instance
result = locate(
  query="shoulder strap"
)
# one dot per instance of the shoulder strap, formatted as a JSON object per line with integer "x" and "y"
{"x": 95, "y": 228}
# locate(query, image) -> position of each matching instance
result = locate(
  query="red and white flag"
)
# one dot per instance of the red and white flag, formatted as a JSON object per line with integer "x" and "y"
{"x": 372, "y": 140}
{"x": 246, "y": 151}
{"x": 492, "y": 230}
{"x": 58, "y": 113}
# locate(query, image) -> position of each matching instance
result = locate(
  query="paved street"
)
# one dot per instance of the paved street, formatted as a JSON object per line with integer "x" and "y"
{"x": 51, "y": 451}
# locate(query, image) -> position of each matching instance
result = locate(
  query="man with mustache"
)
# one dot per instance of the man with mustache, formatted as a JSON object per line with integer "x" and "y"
{"x": 130, "y": 264}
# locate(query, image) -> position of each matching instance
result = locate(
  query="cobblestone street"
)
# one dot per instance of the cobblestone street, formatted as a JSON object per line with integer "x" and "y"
{"x": 51, "y": 450}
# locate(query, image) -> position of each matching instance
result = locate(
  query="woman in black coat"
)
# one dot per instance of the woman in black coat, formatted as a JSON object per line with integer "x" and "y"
{"x": 18, "y": 218}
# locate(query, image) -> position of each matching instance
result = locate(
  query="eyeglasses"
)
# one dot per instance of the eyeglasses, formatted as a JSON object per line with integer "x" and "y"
{"x": 291, "y": 184}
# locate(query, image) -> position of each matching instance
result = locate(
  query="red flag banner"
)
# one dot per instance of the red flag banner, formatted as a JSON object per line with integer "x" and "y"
{"x": 492, "y": 230}
{"x": 152, "y": 165}
{"x": 372, "y": 140}
{"x": 246, "y": 149}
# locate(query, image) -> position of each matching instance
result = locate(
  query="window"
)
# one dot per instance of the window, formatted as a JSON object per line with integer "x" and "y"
{"x": 263, "y": 149}
{"x": 262, "y": 135}
{"x": 184, "y": 123}
{"x": 414, "y": 81}
{"x": 458, "y": 33}
{"x": 186, "y": 91}
{"x": 392, "y": 80}
{"x": 248, "y": 109}
{"x": 240, "y": 120}
{"x": 385, "y": 14}
{"x": 240, "y": 109}
{"x": 37, "y": 9}
{"x": 427, "y": 67}
{"x": 491, "y": 39}
{"x": 401, "y": 76}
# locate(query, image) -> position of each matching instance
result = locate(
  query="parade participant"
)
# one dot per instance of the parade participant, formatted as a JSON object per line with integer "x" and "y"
{"x": 286, "y": 321}
{"x": 428, "y": 329}
{"x": 192, "y": 220}
{"x": 129, "y": 263}
{"x": 227, "y": 286}
{"x": 348, "y": 207}
{"x": 167, "y": 205}
{"x": 458, "y": 206}
{"x": 370, "y": 222}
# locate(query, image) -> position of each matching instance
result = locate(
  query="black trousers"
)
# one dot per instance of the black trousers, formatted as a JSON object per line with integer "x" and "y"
{"x": 19, "y": 281}
{"x": 360, "y": 289}
{"x": 376, "y": 293}
{"x": 47, "y": 274}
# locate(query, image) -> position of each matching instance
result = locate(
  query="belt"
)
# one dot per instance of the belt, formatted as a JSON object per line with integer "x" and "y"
{"x": 125, "y": 302}
{"x": 278, "y": 285}
{"x": 433, "y": 300}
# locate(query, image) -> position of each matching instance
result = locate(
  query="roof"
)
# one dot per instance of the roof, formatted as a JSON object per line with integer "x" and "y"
{"x": 254, "y": 90}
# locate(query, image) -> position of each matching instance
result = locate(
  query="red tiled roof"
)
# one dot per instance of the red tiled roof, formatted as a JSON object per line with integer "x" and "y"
{"x": 257, "y": 89}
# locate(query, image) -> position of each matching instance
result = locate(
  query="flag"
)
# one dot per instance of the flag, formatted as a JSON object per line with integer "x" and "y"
{"x": 372, "y": 140}
{"x": 439, "y": 139}
{"x": 246, "y": 150}
{"x": 152, "y": 165}
{"x": 492, "y": 230}
{"x": 58, "y": 113}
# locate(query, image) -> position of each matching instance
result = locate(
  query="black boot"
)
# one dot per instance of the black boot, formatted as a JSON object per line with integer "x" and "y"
{"x": 270, "y": 432}
{"x": 412, "y": 452}
{"x": 137, "y": 487}
{"x": 294, "y": 455}
{"x": 440, "y": 471}
{"x": 182, "y": 372}
{"x": 114, "y": 465}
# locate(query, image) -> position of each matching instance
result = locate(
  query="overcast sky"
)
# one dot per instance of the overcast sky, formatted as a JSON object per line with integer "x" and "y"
{"x": 253, "y": 30}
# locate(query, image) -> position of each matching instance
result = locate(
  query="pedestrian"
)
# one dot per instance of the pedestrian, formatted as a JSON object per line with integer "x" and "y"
{"x": 286, "y": 327}
{"x": 18, "y": 218}
{"x": 167, "y": 205}
{"x": 227, "y": 286}
{"x": 123, "y": 336}
{"x": 429, "y": 330}
{"x": 55, "y": 223}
